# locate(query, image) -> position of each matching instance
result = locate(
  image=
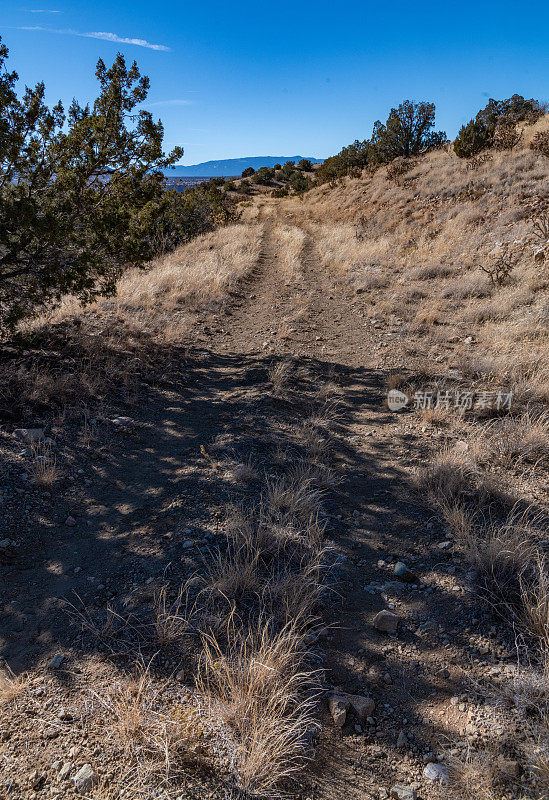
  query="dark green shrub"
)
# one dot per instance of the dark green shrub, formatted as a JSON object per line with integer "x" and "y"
{"x": 471, "y": 139}
{"x": 305, "y": 164}
{"x": 248, "y": 172}
{"x": 300, "y": 182}
{"x": 81, "y": 193}
{"x": 264, "y": 176}
{"x": 282, "y": 191}
{"x": 406, "y": 133}
{"x": 498, "y": 115}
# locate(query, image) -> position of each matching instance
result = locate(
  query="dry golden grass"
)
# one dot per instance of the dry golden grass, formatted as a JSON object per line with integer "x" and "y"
{"x": 289, "y": 242}
{"x": 11, "y": 685}
{"x": 194, "y": 275}
{"x": 44, "y": 469}
{"x": 258, "y": 686}
{"x": 174, "y": 618}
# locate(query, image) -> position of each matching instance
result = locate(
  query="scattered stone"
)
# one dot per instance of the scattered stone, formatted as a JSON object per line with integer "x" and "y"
{"x": 122, "y": 421}
{"x": 85, "y": 779}
{"x": 35, "y": 778}
{"x": 539, "y": 256}
{"x": 339, "y": 704}
{"x": 405, "y": 574}
{"x": 70, "y": 522}
{"x": 29, "y": 435}
{"x": 402, "y": 740}
{"x": 400, "y": 792}
{"x": 56, "y": 661}
{"x": 180, "y": 675}
{"x": 386, "y": 621}
{"x": 383, "y": 795}
{"x": 436, "y": 773}
{"x": 65, "y": 770}
{"x": 362, "y": 706}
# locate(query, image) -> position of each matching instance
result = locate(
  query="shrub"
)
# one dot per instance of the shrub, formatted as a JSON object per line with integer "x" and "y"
{"x": 305, "y": 164}
{"x": 501, "y": 267}
{"x": 407, "y": 131}
{"x": 80, "y": 193}
{"x": 264, "y": 176}
{"x": 540, "y": 143}
{"x": 300, "y": 182}
{"x": 277, "y": 166}
{"x": 248, "y": 172}
{"x": 506, "y": 135}
{"x": 282, "y": 191}
{"x": 399, "y": 167}
{"x": 471, "y": 139}
{"x": 230, "y": 186}
{"x": 504, "y": 115}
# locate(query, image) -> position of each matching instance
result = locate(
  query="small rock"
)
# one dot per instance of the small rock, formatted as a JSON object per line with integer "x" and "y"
{"x": 405, "y": 574}
{"x": 539, "y": 256}
{"x": 85, "y": 778}
{"x": 56, "y": 661}
{"x": 400, "y": 792}
{"x": 362, "y": 706}
{"x": 339, "y": 705}
{"x": 180, "y": 675}
{"x": 386, "y": 621}
{"x": 70, "y": 522}
{"x": 382, "y": 793}
{"x": 29, "y": 435}
{"x": 402, "y": 740}
{"x": 436, "y": 773}
{"x": 35, "y": 778}
{"x": 65, "y": 770}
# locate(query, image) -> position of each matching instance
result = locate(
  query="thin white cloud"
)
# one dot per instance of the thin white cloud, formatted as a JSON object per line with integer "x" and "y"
{"x": 169, "y": 103}
{"x": 104, "y": 35}
{"x": 42, "y": 11}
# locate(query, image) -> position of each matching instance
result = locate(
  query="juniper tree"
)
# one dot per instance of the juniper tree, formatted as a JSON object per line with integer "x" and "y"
{"x": 79, "y": 191}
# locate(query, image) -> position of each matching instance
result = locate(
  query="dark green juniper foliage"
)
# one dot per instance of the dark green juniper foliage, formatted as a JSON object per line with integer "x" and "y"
{"x": 478, "y": 133}
{"x": 406, "y": 133}
{"x": 82, "y": 195}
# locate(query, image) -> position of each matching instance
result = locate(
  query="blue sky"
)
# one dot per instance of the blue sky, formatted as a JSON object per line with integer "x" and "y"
{"x": 232, "y": 79}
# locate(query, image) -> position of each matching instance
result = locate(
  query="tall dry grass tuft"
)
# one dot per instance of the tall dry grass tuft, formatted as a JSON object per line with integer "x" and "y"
{"x": 258, "y": 687}
{"x": 11, "y": 685}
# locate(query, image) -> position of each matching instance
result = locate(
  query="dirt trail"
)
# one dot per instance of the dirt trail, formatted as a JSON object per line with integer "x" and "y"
{"x": 150, "y": 494}
{"x": 378, "y": 520}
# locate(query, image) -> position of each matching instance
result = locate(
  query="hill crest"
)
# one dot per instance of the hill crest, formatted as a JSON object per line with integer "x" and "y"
{"x": 231, "y": 167}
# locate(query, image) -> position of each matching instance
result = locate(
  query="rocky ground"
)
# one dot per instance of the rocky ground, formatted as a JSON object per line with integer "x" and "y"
{"x": 413, "y": 662}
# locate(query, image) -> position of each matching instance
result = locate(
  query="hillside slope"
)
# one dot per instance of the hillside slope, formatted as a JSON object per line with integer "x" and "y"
{"x": 232, "y": 167}
{"x": 219, "y": 503}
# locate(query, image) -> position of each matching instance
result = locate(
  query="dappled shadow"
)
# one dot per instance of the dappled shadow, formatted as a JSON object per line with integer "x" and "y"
{"x": 148, "y": 496}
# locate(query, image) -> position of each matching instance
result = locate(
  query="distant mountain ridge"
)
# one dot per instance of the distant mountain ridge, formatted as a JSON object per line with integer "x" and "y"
{"x": 232, "y": 167}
